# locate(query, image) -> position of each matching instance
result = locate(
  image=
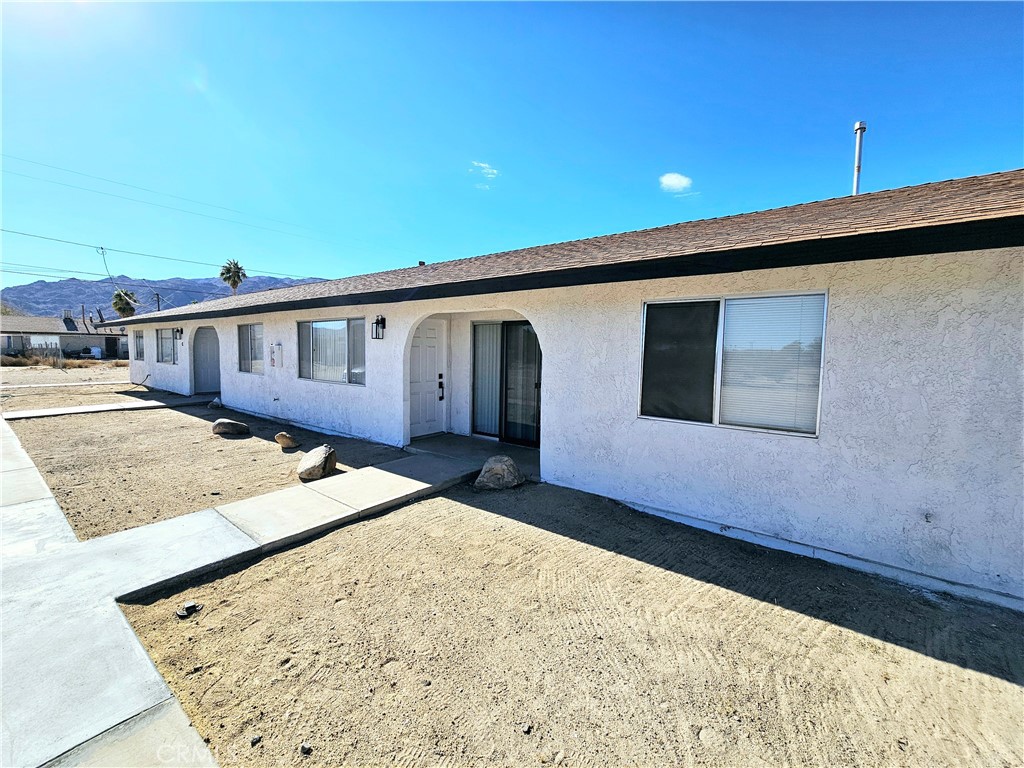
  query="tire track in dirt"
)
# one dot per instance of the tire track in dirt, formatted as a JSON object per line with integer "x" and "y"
{"x": 432, "y": 635}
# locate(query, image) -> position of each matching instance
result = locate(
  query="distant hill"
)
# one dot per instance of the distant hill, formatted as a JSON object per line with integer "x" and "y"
{"x": 49, "y": 299}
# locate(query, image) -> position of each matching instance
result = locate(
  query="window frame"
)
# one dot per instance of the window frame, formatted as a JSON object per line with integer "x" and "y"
{"x": 238, "y": 336}
{"x": 719, "y": 344}
{"x": 174, "y": 346}
{"x": 348, "y": 366}
{"x": 139, "y": 337}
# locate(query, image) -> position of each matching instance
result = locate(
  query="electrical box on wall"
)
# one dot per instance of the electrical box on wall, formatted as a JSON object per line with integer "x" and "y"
{"x": 276, "y": 352}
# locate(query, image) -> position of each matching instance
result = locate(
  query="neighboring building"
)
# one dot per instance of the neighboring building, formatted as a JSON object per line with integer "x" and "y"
{"x": 841, "y": 379}
{"x": 21, "y": 334}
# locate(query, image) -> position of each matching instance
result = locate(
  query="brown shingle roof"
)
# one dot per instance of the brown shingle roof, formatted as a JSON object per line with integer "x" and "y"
{"x": 976, "y": 198}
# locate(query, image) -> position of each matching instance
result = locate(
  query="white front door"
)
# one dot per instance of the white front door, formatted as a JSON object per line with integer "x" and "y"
{"x": 427, "y": 407}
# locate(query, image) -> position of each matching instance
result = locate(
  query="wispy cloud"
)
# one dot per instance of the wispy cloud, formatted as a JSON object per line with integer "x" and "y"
{"x": 482, "y": 186}
{"x": 484, "y": 169}
{"x": 675, "y": 183}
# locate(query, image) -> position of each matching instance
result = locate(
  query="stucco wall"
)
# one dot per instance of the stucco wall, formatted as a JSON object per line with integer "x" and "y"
{"x": 919, "y": 460}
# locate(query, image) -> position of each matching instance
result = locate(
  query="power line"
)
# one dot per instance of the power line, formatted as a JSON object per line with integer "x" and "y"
{"x": 53, "y": 269}
{"x": 147, "y": 255}
{"x": 161, "y": 205}
{"x": 151, "y": 191}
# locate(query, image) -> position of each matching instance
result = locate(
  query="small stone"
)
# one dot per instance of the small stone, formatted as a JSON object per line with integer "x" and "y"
{"x": 526, "y": 728}
{"x": 215, "y": 403}
{"x": 559, "y": 758}
{"x": 499, "y": 472}
{"x": 230, "y": 427}
{"x": 426, "y": 683}
{"x": 255, "y": 740}
{"x": 306, "y": 749}
{"x": 285, "y": 440}
{"x": 320, "y": 462}
{"x": 708, "y": 736}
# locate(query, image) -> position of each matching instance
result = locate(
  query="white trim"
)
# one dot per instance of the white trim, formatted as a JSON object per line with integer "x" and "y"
{"x": 719, "y": 343}
{"x": 902, "y": 575}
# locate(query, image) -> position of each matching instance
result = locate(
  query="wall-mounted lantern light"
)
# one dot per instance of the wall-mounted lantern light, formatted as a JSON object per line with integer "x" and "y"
{"x": 179, "y": 332}
{"x": 377, "y": 328}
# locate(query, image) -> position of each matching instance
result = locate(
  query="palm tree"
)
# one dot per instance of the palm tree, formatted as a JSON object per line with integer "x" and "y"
{"x": 233, "y": 274}
{"x": 124, "y": 302}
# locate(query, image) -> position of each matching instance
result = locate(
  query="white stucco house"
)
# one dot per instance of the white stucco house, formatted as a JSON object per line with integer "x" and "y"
{"x": 841, "y": 378}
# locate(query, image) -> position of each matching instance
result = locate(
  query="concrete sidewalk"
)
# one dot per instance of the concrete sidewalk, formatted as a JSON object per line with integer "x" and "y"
{"x": 77, "y": 686}
{"x": 142, "y": 405}
{"x": 65, "y": 384}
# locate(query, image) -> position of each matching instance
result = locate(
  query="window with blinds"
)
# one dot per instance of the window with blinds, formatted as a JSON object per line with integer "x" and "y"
{"x": 250, "y": 348}
{"x": 333, "y": 350}
{"x": 166, "y": 349}
{"x": 745, "y": 362}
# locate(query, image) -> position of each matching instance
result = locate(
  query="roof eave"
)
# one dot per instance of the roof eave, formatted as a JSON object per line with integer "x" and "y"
{"x": 915, "y": 241}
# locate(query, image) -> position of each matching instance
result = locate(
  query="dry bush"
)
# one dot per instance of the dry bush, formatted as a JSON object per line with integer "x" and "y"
{"x": 21, "y": 362}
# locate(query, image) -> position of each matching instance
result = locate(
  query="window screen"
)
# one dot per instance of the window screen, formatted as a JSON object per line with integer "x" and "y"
{"x": 250, "y": 348}
{"x": 140, "y": 346}
{"x": 166, "y": 349}
{"x": 679, "y": 361}
{"x": 771, "y": 362}
{"x": 333, "y": 350}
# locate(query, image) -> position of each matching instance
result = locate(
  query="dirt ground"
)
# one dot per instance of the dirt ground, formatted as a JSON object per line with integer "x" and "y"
{"x": 543, "y": 625}
{"x": 31, "y": 398}
{"x": 98, "y": 371}
{"x": 113, "y": 471}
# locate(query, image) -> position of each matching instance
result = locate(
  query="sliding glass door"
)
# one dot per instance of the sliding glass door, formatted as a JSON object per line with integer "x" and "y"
{"x": 506, "y": 382}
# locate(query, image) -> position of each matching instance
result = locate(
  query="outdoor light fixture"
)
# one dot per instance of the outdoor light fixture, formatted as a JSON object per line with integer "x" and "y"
{"x": 179, "y": 332}
{"x": 377, "y": 328}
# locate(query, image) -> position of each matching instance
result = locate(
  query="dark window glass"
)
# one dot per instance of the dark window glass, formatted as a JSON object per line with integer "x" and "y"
{"x": 679, "y": 361}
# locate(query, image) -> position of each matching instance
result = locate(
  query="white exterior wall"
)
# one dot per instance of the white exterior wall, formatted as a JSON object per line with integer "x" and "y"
{"x": 918, "y": 465}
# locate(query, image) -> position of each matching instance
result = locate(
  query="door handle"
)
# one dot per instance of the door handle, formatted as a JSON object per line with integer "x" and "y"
{"x": 440, "y": 387}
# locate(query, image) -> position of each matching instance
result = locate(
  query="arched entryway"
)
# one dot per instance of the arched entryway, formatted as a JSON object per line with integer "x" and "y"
{"x": 205, "y": 361}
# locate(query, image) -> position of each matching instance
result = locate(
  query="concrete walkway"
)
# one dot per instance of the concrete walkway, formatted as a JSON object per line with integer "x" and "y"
{"x": 77, "y": 686}
{"x": 65, "y": 384}
{"x": 142, "y": 405}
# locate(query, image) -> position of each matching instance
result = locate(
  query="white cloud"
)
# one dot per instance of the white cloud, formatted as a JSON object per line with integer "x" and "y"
{"x": 482, "y": 186}
{"x": 484, "y": 169}
{"x": 675, "y": 182}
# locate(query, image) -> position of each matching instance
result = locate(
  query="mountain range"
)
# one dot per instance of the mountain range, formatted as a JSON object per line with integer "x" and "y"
{"x": 49, "y": 298}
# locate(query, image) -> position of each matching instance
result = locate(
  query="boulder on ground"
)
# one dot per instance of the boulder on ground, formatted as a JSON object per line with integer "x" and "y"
{"x": 320, "y": 462}
{"x": 499, "y": 472}
{"x": 230, "y": 427}
{"x": 285, "y": 440}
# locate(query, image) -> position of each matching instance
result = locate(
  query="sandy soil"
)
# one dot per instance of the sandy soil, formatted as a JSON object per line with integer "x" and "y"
{"x": 113, "y": 471}
{"x": 31, "y": 398}
{"x": 543, "y": 625}
{"x": 98, "y": 371}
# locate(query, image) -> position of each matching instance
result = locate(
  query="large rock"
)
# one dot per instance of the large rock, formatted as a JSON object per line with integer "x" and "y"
{"x": 230, "y": 427}
{"x": 319, "y": 462}
{"x": 499, "y": 472}
{"x": 285, "y": 440}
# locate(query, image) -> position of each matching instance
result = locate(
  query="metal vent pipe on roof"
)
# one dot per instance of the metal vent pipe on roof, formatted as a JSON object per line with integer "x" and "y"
{"x": 859, "y": 129}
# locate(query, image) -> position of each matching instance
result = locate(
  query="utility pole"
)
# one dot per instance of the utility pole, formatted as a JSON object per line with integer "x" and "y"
{"x": 157, "y": 297}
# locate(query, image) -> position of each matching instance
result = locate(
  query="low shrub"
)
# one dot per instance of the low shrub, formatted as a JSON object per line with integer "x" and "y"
{"x": 22, "y": 361}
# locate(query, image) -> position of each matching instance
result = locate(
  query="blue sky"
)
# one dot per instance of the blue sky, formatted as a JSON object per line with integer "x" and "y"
{"x": 349, "y": 138}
